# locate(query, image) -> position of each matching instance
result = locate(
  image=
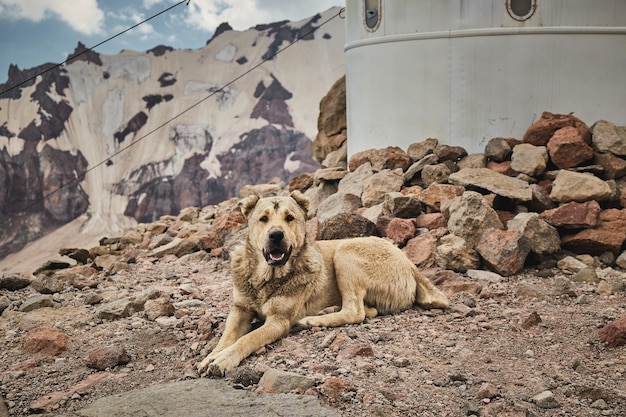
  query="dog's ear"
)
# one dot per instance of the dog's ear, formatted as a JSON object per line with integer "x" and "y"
{"x": 248, "y": 205}
{"x": 302, "y": 201}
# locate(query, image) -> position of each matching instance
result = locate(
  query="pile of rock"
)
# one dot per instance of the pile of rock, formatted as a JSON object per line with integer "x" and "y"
{"x": 558, "y": 192}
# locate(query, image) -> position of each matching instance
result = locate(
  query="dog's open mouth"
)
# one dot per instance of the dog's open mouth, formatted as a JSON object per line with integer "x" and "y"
{"x": 277, "y": 256}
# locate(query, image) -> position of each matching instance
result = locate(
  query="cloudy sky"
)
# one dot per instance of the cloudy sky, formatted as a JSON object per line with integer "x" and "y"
{"x": 33, "y": 32}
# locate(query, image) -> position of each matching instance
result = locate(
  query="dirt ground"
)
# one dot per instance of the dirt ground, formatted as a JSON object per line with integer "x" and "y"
{"x": 515, "y": 346}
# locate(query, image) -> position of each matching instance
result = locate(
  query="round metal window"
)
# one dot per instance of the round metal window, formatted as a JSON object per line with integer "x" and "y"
{"x": 521, "y": 10}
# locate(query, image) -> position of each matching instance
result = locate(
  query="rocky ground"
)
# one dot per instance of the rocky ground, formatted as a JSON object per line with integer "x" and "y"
{"x": 542, "y": 335}
{"x": 525, "y": 345}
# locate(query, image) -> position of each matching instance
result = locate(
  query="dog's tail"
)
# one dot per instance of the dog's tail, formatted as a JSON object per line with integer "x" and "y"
{"x": 428, "y": 296}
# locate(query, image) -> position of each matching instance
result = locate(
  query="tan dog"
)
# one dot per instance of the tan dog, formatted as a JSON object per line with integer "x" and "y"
{"x": 284, "y": 279}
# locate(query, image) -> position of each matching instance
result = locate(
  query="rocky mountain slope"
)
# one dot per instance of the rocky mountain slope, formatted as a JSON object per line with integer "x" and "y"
{"x": 193, "y": 142}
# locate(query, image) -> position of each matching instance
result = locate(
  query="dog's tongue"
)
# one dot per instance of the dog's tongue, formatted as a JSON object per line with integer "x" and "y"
{"x": 276, "y": 255}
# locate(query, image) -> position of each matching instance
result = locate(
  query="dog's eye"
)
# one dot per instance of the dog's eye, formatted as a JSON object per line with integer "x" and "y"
{"x": 289, "y": 218}
{"x": 263, "y": 219}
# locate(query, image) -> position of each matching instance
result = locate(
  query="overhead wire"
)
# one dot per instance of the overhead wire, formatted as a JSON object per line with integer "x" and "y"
{"x": 71, "y": 57}
{"x": 81, "y": 177}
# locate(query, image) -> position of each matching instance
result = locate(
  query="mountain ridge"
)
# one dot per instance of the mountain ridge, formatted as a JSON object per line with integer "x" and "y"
{"x": 90, "y": 109}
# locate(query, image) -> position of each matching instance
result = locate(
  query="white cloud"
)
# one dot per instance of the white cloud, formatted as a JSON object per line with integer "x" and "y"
{"x": 84, "y": 16}
{"x": 243, "y": 14}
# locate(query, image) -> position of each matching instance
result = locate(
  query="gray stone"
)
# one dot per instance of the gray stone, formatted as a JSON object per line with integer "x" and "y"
{"x": 160, "y": 240}
{"x": 570, "y": 264}
{"x": 470, "y": 215}
{"x": 4, "y": 411}
{"x": 473, "y": 160}
{"x": 116, "y": 309}
{"x": 438, "y": 173}
{"x": 37, "y": 302}
{"x": 319, "y": 193}
{"x": 500, "y": 184}
{"x": 529, "y": 159}
{"x": 178, "y": 247}
{"x": 274, "y": 380}
{"x": 487, "y": 276}
{"x": 586, "y": 275}
{"x": 337, "y": 203}
{"x": 401, "y": 205}
{"x": 379, "y": 184}
{"x": 544, "y": 239}
{"x": 44, "y": 284}
{"x": 576, "y": 186}
{"x": 4, "y": 303}
{"x": 545, "y": 400}
{"x": 621, "y": 260}
{"x": 199, "y": 398}
{"x": 607, "y": 137}
{"x": 353, "y": 182}
{"x": 418, "y": 166}
{"x": 498, "y": 150}
{"x": 419, "y": 150}
{"x": 14, "y": 282}
{"x": 329, "y": 175}
{"x": 454, "y": 253}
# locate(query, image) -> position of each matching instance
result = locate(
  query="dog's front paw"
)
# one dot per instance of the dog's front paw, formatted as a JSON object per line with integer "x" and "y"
{"x": 306, "y": 322}
{"x": 204, "y": 365}
{"x": 217, "y": 365}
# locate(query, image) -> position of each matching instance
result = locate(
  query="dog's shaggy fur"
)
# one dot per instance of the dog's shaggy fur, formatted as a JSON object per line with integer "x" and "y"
{"x": 284, "y": 279}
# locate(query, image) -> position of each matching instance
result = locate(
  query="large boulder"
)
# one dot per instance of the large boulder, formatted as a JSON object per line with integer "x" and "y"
{"x": 331, "y": 121}
{"x": 470, "y": 215}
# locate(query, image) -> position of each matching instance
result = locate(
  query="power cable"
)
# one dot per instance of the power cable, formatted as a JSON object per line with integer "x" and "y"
{"x": 71, "y": 57}
{"x": 221, "y": 89}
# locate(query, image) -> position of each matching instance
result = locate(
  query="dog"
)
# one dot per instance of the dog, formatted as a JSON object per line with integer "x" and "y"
{"x": 285, "y": 279}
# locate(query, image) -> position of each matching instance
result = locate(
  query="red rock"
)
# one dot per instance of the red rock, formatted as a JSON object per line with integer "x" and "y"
{"x": 574, "y": 215}
{"x": 531, "y": 321}
{"x": 222, "y": 226}
{"x": 301, "y": 182}
{"x": 335, "y": 388}
{"x": 608, "y": 236}
{"x": 614, "y": 333}
{"x": 346, "y": 225}
{"x": 502, "y": 168}
{"x": 421, "y": 249}
{"x": 48, "y": 402}
{"x": 391, "y": 157}
{"x": 431, "y": 221}
{"x": 567, "y": 149}
{"x": 352, "y": 351}
{"x": 358, "y": 159}
{"x": 107, "y": 357}
{"x": 542, "y": 130}
{"x": 47, "y": 340}
{"x": 438, "y": 195}
{"x": 400, "y": 230}
{"x": 503, "y": 251}
{"x": 449, "y": 153}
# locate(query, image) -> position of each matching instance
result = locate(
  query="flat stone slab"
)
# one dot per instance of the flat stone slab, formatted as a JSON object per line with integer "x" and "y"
{"x": 499, "y": 184}
{"x": 200, "y": 398}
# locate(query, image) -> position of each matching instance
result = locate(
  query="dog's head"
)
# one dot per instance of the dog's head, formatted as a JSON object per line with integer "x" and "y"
{"x": 276, "y": 225}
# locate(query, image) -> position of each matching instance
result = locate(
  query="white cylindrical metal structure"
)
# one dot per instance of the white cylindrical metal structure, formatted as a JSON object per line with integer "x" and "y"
{"x": 465, "y": 71}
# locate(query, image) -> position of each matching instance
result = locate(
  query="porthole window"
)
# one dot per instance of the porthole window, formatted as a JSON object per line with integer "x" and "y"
{"x": 521, "y": 10}
{"x": 371, "y": 14}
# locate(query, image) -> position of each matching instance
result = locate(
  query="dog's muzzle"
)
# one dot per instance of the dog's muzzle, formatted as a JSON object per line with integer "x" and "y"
{"x": 276, "y": 252}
